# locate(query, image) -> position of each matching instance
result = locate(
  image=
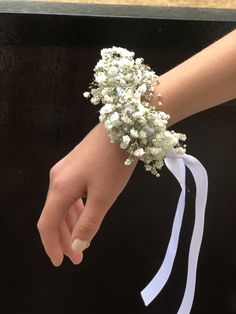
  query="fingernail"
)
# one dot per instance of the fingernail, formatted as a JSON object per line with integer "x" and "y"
{"x": 79, "y": 245}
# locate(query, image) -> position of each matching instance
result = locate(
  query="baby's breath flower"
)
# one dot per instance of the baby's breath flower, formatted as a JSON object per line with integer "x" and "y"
{"x": 107, "y": 108}
{"x": 113, "y": 71}
{"x": 86, "y": 94}
{"x": 128, "y": 162}
{"x": 134, "y": 133}
{"x": 148, "y": 167}
{"x": 94, "y": 101}
{"x": 108, "y": 124}
{"x": 150, "y": 130}
{"x": 183, "y": 137}
{"x": 126, "y": 119}
{"x": 142, "y": 108}
{"x": 155, "y": 151}
{"x": 102, "y": 118}
{"x": 137, "y": 114}
{"x": 180, "y": 150}
{"x": 142, "y": 134}
{"x": 142, "y": 89}
{"x": 137, "y": 94}
{"x": 144, "y": 141}
{"x": 123, "y": 145}
{"x": 114, "y": 117}
{"x": 100, "y": 77}
{"x": 100, "y": 64}
{"x": 126, "y": 139}
{"x": 119, "y": 91}
{"x": 139, "y": 61}
{"x": 139, "y": 152}
{"x": 107, "y": 99}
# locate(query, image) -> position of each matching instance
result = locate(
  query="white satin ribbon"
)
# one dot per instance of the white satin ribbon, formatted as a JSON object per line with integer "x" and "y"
{"x": 176, "y": 164}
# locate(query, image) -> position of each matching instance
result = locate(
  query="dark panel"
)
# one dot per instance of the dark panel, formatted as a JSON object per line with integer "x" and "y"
{"x": 46, "y": 63}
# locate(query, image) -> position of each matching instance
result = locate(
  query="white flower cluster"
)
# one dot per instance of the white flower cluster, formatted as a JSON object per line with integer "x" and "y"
{"x": 125, "y": 87}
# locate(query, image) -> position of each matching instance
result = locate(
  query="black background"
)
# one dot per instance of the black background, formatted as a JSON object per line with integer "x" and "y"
{"x": 46, "y": 63}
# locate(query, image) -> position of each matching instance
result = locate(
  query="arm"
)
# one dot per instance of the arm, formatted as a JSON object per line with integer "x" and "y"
{"x": 205, "y": 80}
{"x": 95, "y": 167}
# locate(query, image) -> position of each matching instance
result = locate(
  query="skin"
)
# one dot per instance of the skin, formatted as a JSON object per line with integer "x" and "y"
{"x": 95, "y": 167}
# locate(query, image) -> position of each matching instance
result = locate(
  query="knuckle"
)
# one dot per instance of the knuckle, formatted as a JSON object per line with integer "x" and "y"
{"x": 44, "y": 226}
{"x": 58, "y": 185}
{"x": 41, "y": 226}
{"x": 53, "y": 172}
{"x": 62, "y": 188}
{"x": 89, "y": 226}
{"x": 57, "y": 168}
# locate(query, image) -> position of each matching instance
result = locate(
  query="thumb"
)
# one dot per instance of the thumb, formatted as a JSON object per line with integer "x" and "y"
{"x": 88, "y": 224}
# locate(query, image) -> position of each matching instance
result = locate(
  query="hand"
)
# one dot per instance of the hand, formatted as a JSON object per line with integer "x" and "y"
{"x": 95, "y": 169}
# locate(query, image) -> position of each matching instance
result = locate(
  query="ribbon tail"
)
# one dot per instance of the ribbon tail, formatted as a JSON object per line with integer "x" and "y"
{"x": 201, "y": 180}
{"x": 176, "y": 165}
{"x": 149, "y": 293}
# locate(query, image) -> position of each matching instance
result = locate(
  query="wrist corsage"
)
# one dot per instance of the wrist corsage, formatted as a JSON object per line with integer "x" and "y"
{"x": 124, "y": 86}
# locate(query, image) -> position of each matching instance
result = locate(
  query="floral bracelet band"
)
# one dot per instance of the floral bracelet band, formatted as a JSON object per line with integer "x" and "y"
{"x": 125, "y": 87}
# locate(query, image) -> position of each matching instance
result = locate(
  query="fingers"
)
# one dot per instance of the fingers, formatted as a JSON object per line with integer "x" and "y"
{"x": 73, "y": 216}
{"x": 74, "y": 213}
{"x": 51, "y": 243}
{"x": 89, "y": 222}
{"x": 57, "y": 203}
{"x": 65, "y": 239}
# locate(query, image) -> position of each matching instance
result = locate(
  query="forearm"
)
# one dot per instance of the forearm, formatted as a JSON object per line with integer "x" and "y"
{"x": 205, "y": 80}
